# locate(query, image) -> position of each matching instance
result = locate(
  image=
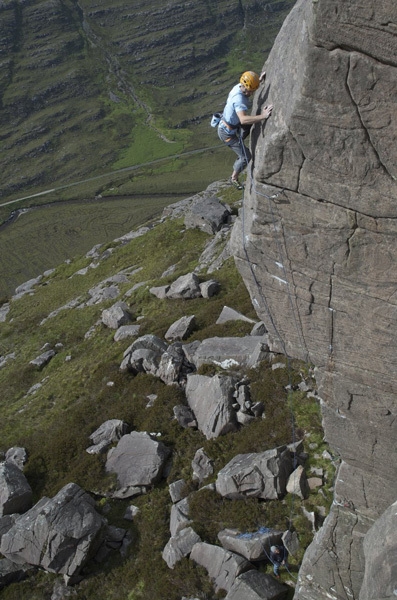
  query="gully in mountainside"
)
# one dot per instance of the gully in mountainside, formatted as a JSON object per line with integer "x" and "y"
{"x": 235, "y": 124}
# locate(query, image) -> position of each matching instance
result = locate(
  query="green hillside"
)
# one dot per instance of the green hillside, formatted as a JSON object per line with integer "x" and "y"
{"x": 53, "y": 411}
{"x": 87, "y": 88}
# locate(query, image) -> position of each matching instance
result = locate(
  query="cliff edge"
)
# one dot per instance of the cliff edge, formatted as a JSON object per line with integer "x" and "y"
{"x": 316, "y": 244}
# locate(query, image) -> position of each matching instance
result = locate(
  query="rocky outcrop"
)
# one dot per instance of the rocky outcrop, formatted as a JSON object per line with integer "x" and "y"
{"x": 57, "y": 534}
{"x": 320, "y": 212}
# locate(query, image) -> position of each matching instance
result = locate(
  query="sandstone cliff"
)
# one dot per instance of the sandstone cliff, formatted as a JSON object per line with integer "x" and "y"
{"x": 317, "y": 248}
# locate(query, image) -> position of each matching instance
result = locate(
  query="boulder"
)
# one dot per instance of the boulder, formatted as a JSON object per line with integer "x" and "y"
{"x": 259, "y": 329}
{"x": 222, "y": 566}
{"x": 17, "y": 456}
{"x": 254, "y": 585}
{"x": 290, "y": 541}
{"x": 110, "y": 431}
{"x": 297, "y": 483}
{"x": 15, "y": 491}
{"x": 57, "y": 534}
{"x": 173, "y": 367}
{"x": 179, "y": 546}
{"x": 179, "y": 518}
{"x": 4, "y": 310}
{"x": 229, "y": 314}
{"x": 160, "y": 291}
{"x": 259, "y": 475}
{"x": 254, "y": 546}
{"x": 138, "y": 462}
{"x": 177, "y": 490}
{"x": 116, "y": 316}
{"x": 231, "y": 352}
{"x": 202, "y": 466}
{"x": 211, "y": 399}
{"x": 131, "y": 512}
{"x": 208, "y": 214}
{"x": 42, "y": 360}
{"x": 126, "y": 331}
{"x": 185, "y": 287}
{"x": 144, "y": 355}
{"x": 181, "y": 329}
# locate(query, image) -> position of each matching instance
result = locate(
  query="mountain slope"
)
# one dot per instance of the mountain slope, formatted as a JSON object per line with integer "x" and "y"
{"x": 82, "y": 83}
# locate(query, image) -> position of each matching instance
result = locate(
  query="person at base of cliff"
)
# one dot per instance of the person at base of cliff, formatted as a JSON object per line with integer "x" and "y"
{"x": 278, "y": 556}
{"x": 235, "y": 124}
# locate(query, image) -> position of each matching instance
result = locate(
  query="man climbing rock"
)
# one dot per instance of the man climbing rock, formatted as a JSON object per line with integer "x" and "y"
{"x": 235, "y": 123}
{"x": 278, "y": 556}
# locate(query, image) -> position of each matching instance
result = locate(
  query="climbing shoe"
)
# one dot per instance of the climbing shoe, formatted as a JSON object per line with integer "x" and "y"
{"x": 236, "y": 183}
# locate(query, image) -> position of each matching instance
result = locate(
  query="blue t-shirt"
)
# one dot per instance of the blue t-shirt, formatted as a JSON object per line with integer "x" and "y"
{"x": 236, "y": 102}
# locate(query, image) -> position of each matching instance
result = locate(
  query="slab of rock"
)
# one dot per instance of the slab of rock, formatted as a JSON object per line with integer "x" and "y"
{"x": 202, "y": 466}
{"x": 18, "y": 456}
{"x": 116, "y": 316}
{"x": 208, "y": 214}
{"x": 181, "y": 329}
{"x": 253, "y": 546}
{"x": 229, "y": 314}
{"x": 231, "y": 352}
{"x": 42, "y": 360}
{"x": 290, "y": 541}
{"x": 110, "y": 431}
{"x": 259, "y": 475}
{"x": 57, "y": 534}
{"x": 138, "y": 461}
{"x": 222, "y": 566}
{"x": 144, "y": 355}
{"x": 160, "y": 291}
{"x": 297, "y": 483}
{"x": 177, "y": 490}
{"x": 126, "y": 331}
{"x": 15, "y": 491}
{"x": 173, "y": 367}
{"x": 185, "y": 287}
{"x": 4, "y": 310}
{"x": 211, "y": 399}
{"x": 179, "y": 518}
{"x": 180, "y": 546}
{"x": 254, "y": 585}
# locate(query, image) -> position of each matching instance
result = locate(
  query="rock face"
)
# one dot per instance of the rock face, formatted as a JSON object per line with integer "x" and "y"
{"x": 320, "y": 228}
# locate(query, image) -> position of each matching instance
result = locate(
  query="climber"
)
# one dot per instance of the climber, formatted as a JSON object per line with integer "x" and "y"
{"x": 278, "y": 556}
{"x": 235, "y": 124}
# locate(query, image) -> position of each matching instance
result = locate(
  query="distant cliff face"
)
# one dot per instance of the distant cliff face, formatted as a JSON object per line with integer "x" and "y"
{"x": 320, "y": 258}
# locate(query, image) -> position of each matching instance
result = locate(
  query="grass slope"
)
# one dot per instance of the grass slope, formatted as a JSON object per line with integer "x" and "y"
{"x": 52, "y": 412}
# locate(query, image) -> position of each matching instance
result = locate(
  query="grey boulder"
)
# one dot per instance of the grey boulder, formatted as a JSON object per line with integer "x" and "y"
{"x": 18, "y": 456}
{"x": 43, "y": 359}
{"x": 144, "y": 355}
{"x": 179, "y": 518}
{"x": 15, "y": 491}
{"x": 116, "y": 316}
{"x": 211, "y": 399}
{"x": 297, "y": 483}
{"x": 202, "y": 466}
{"x": 230, "y": 352}
{"x": 254, "y": 585}
{"x": 222, "y": 566}
{"x": 208, "y": 214}
{"x": 185, "y": 287}
{"x": 138, "y": 462}
{"x": 180, "y": 546}
{"x": 173, "y": 366}
{"x": 258, "y": 475}
{"x": 110, "y": 431}
{"x": 181, "y": 329}
{"x": 56, "y": 534}
{"x": 253, "y": 546}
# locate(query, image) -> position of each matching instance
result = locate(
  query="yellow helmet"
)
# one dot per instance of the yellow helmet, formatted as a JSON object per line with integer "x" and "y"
{"x": 250, "y": 80}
